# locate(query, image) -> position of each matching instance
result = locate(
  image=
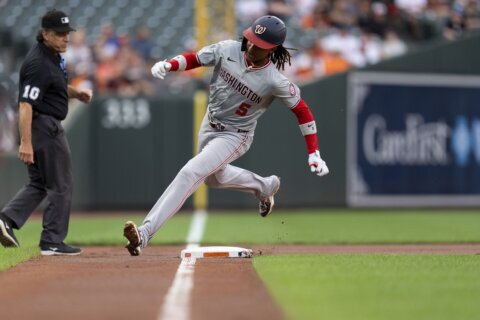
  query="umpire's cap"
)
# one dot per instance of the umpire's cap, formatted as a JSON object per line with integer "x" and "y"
{"x": 266, "y": 32}
{"x": 56, "y": 20}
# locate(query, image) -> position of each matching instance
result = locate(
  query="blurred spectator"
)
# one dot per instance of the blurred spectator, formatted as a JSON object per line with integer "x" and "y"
{"x": 304, "y": 7}
{"x": 412, "y": 7}
{"x": 392, "y": 45}
{"x": 107, "y": 43}
{"x": 439, "y": 8}
{"x": 343, "y": 14}
{"x": 315, "y": 62}
{"x": 124, "y": 70}
{"x": 79, "y": 60}
{"x": 142, "y": 44}
{"x": 373, "y": 18}
{"x": 334, "y": 63}
{"x": 418, "y": 23}
{"x": 347, "y": 44}
{"x": 8, "y": 124}
{"x": 371, "y": 48}
{"x": 472, "y": 15}
{"x": 280, "y": 8}
{"x": 106, "y": 74}
{"x": 133, "y": 79}
{"x": 309, "y": 64}
{"x": 248, "y": 10}
{"x": 82, "y": 80}
{"x": 319, "y": 19}
{"x": 455, "y": 26}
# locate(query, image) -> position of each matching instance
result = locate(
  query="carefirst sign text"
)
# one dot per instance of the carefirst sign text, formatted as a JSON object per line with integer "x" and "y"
{"x": 420, "y": 143}
{"x": 413, "y": 140}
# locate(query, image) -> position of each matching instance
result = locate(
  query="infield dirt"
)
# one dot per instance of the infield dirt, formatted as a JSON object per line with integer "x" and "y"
{"x": 106, "y": 283}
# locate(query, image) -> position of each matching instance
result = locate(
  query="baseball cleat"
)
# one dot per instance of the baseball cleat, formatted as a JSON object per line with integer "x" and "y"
{"x": 265, "y": 206}
{"x": 7, "y": 237}
{"x": 130, "y": 231}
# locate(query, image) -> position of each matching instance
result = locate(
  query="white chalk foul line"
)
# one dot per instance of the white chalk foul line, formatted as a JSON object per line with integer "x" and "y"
{"x": 177, "y": 301}
{"x": 197, "y": 226}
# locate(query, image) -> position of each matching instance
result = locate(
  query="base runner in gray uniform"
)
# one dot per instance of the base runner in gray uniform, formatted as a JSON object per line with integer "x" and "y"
{"x": 245, "y": 81}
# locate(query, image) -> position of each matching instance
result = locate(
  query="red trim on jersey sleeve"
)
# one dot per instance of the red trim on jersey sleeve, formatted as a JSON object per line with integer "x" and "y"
{"x": 304, "y": 115}
{"x": 190, "y": 58}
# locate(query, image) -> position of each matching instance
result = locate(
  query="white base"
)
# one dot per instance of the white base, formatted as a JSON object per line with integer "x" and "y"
{"x": 216, "y": 252}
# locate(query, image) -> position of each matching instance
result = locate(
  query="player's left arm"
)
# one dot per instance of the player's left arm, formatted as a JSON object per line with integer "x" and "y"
{"x": 308, "y": 128}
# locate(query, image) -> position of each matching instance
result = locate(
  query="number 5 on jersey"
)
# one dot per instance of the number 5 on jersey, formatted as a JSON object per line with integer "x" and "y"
{"x": 243, "y": 109}
{"x": 31, "y": 92}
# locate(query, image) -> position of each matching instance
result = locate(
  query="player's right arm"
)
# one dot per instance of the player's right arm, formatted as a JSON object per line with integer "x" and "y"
{"x": 207, "y": 56}
{"x": 25, "y": 152}
{"x": 182, "y": 62}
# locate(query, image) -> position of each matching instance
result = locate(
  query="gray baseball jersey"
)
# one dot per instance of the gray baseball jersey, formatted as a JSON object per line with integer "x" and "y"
{"x": 239, "y": 95}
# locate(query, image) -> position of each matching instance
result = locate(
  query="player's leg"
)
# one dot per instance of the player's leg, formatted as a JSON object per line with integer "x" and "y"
{"x": 235, "y": 178}
{"x": 220, "y": 150}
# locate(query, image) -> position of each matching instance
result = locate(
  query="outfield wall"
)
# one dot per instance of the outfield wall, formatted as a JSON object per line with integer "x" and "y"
{"x": 127, "y": 150}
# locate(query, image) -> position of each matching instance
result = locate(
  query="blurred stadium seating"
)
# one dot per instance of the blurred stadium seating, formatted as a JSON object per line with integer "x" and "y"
{"x": 331, "y": 36}
{"x": 171, "y": 21}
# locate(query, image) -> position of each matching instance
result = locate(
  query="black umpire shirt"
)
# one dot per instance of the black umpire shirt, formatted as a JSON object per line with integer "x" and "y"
{"x": 43, "y": 82}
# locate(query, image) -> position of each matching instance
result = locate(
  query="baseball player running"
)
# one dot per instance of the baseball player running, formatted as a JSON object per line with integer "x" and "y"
{"x": 245, "y": 81}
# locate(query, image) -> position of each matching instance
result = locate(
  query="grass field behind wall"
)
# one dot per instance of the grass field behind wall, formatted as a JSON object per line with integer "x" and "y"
{"x": 335, "y": 287}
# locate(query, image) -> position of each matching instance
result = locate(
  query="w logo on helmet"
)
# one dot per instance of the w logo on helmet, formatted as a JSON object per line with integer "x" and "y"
{"x": 260, "y": 29}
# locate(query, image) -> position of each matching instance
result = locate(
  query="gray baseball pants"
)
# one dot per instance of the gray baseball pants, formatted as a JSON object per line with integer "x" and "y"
{"x": 210, "y": 165}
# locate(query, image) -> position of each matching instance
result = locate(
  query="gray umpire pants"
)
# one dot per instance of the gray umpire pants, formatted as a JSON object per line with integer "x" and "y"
{"x": 49, "y": 177}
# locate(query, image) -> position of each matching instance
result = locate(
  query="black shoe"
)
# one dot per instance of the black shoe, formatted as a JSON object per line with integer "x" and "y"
{"x": 7, "y": 237}
{"x": 61, "y": 249}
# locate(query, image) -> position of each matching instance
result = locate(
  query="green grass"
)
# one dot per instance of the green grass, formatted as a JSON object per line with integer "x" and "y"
{"x": 12, "y": 257}
{"x": 109, "y": 231}
{"x": 344, "y": 226}
{"x": 282, "y": 227}
{"x": 90, "y": 231}
{"x": 330, "y": 287}
{"x": 374, "y": 287}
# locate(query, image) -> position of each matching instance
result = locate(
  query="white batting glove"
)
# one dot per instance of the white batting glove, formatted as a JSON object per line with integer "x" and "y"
{"x": 317, "y": 165}
{"x": 160, "y": 69}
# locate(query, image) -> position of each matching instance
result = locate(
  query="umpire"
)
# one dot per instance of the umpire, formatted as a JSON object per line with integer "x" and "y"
{"x": 43, "y": 104}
